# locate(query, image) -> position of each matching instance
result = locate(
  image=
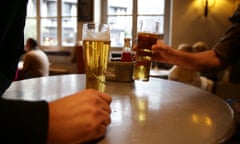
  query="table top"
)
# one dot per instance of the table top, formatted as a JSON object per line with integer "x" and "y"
{"x": 159, "y": 73}
{"x": 158, "y": 111}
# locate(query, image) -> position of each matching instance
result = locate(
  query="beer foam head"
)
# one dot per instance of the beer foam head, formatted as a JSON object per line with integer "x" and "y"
{"x": 102, "y": 33}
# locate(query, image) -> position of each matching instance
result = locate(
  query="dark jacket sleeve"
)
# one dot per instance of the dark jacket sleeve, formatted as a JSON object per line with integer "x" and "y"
{"x": 23, "y": 122}
{"x": 20, "y": 122}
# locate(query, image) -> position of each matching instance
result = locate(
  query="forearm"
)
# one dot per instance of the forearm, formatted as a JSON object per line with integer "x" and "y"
{"x": 203, "y": 61}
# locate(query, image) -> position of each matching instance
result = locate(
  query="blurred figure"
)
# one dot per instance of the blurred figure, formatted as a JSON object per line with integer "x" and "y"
{"x": 200, "y": 46}
{"x": 208, "y": 79}
{"x": 223, "y": 54}
{"x": 178, "y": 73}
{"x": 35, "y": 61}
{"x": 184, "y": 75}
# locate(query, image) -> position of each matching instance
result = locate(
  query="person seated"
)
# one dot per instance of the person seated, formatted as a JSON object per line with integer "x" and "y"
{"x": 35, "y": 61}
{"x": 200, "y": 46}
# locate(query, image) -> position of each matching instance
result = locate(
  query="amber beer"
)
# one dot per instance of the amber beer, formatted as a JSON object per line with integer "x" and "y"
{"x": 143, "y": 55}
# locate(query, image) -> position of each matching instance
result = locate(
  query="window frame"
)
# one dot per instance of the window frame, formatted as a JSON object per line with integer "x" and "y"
{"x": 167, "y": 14}
{"x": 103, "y": 19}
{"x": 59, "y": 17}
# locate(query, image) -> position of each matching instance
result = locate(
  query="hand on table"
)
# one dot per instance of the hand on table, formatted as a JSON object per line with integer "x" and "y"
{"x": 80, "y": 117}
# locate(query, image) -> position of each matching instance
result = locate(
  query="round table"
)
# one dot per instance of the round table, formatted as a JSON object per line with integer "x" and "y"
{"x": 158, "y": 111}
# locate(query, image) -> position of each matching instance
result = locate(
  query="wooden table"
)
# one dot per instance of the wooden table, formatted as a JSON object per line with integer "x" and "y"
{"x": 158, "y": 111}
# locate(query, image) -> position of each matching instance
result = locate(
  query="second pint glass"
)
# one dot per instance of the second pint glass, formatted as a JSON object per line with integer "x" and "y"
{"x": 147, "y": 35}
{"x": 96, "y": 46}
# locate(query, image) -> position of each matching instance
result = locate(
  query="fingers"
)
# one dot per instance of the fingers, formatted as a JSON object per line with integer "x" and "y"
{"x": 101, "y": 131}
{"x": 102, "y": 101}
{"x": 105, "y": 101}
{"x": 158, "y": 44}
{"x": 107, "y": 120}
{"x": 106, "y": 108}
{"x": 106, "y": 97}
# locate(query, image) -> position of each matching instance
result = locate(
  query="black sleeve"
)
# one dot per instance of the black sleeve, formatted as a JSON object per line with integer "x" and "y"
{"x": 23, "y": 122}
{"x": 20, "y": 122}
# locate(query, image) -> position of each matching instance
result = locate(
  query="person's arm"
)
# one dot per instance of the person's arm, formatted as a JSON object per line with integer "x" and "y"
{"x": 27, "y": 62}
{"x": 23, "y": 122}
{"x": 202, "y": 61}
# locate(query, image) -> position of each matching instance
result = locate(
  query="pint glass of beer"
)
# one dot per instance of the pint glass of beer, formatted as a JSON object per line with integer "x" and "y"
{"x": 96, "y": 46}
{"x": 147, "y": 35}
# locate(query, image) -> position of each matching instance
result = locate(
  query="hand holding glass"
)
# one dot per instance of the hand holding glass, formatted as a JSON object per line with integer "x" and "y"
{"x": 147, "y": 36}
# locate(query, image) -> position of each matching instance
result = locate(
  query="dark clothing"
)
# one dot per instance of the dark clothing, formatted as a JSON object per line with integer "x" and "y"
{"x": 228, "y": 48}
{"x": 20, "y": 122}
{"x": 235, "y": 18}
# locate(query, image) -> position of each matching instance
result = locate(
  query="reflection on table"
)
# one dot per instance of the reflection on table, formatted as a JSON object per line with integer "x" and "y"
{"x": 159, "y": 73}
{"x": 158, "y": 111}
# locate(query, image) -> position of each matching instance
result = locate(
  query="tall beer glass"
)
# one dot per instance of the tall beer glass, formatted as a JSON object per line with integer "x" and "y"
{"x": 96, "y": 46}
{"x": 147, "y": 35}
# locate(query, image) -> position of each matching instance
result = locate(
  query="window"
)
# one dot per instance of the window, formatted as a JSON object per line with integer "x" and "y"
{"x": 52, "y": 22}
{"x": 124, "y": 15}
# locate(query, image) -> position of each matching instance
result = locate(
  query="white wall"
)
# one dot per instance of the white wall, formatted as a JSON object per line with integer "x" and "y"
{"x": 189, "y": 24}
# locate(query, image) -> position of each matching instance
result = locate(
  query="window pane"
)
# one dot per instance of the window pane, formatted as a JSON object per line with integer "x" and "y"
{"x": 159, "y": 19}
{"x": 151, "y": 6}
{"x": 120, "y": 7}
{"x": 69, "y": 31}
{"x": 31, "y": 8}
{"x": 121, "y": 27}
{"x": 48, "y": 8}
{"x": 49, "y": 32}
{"x": 30, "y": 28}
{"x": 69, "y": 8}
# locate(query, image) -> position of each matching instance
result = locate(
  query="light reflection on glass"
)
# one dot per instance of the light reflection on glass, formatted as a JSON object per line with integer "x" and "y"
{"x": 202, "y": 120}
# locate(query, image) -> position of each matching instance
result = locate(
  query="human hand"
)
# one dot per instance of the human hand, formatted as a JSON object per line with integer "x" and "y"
{"x": 161, "y": 52}
{"x": 80, "y": 117}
